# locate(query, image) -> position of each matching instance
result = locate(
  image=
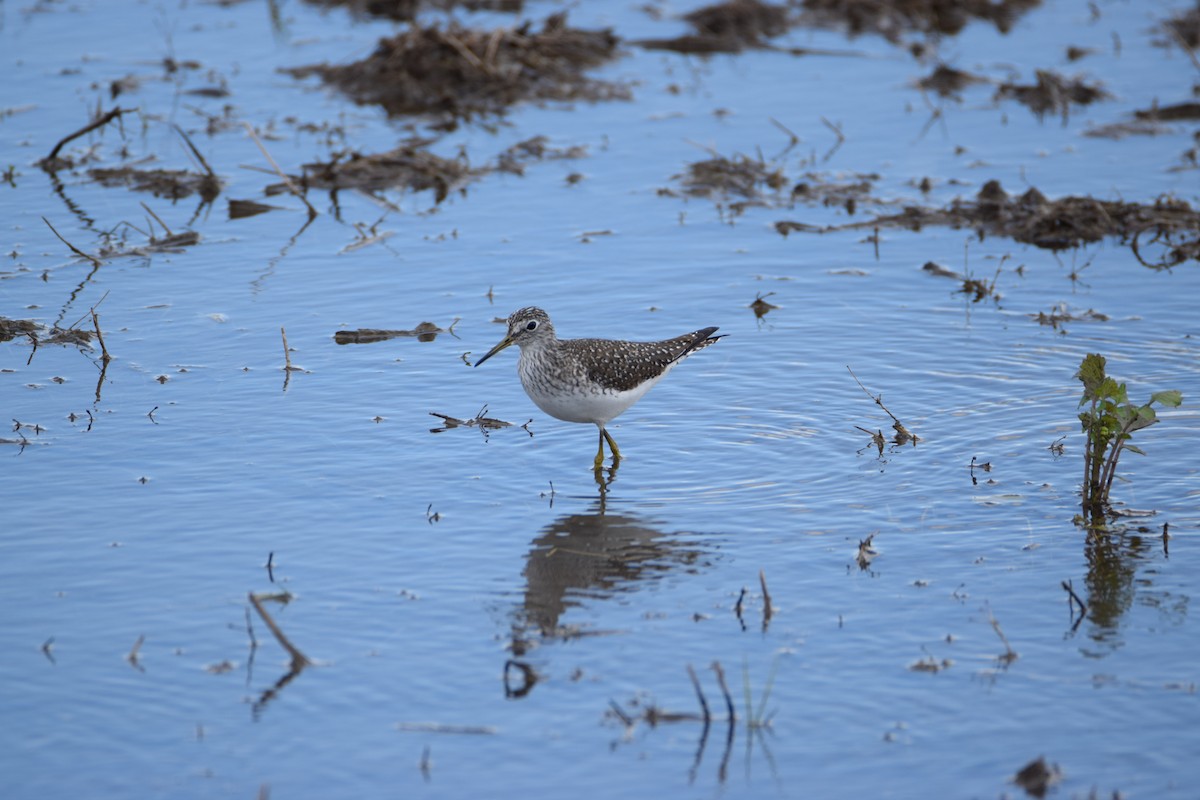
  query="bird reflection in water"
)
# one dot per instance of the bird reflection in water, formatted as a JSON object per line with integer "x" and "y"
{"x": 581, "y": 557}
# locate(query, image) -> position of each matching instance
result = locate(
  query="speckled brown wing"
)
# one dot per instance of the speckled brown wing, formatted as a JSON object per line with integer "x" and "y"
{"x": 622, "y": 366}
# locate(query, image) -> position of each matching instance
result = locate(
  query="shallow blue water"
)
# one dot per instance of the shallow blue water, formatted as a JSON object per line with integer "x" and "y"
{"x": 422, "y": 563}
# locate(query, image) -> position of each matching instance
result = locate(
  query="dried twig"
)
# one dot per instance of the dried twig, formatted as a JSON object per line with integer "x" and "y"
{"x": 716, "y": 665}
{"x": 99, "y": 122}
{"x": 287, "y": 355}
{"x": 437, "y": 727}
{"x": 132, "y": 658}
{"x": 1010, "y": 655}
{"x": 291, "y": 185}
{"x": 188, "y": 141}
{"x": 767, "y": 609}
{"x": 1071, "y": 596}
{"x": 104, "y": 356}
{"x": 299, "y": 660}
{"x": 902, "y": 434}
{"x": 157, "y": 219}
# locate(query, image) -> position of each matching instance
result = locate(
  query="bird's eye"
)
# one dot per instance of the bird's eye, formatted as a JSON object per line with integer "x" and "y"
{"x": 531, "y": 325}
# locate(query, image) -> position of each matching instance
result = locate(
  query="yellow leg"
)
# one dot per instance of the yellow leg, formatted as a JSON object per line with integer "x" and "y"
{"x": 612, "y": 444}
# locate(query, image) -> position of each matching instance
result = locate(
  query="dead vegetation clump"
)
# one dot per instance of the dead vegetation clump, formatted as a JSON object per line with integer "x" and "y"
{"x": 39, "y": 334}
{"x": 1052, "y": 94}
{"x": 893, "y": 19}
{"x": 948, "y": 82}
{"x": 535, "y": 149}
{"x": 818, "y": 189}
{"x": 171, "y": 184}
{"x": 406, "y": 10}
{"x": 1172, "y": 113}
{"x": 1183, "y": 30}
{"x": 413, "y": 168}
{"x": 729, "y": 27}
{"x": 725, "y": 177}
{"x": 406, "y": 167}
{"x": 461, "y": 73}
{"x": 1168, "y": 225}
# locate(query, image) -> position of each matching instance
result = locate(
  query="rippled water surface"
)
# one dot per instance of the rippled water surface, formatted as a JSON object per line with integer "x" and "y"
{"x": 480, "y": 612}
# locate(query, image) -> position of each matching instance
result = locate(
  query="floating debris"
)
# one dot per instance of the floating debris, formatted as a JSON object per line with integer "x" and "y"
{"x": 1060, "y": 314}
{"x": 462, "y": 73}
{"x": 893, "y": 19}
{"x": 1171, "y": 113}
{"x": 740, "y": 175}
{"x": 406, "y": 10}
{"x": 536, "y": 148}
{"x": 726, "y": 28}
{"x": 930, "y": 664}
{"x": 949, "y": 82}
{"x": 1061, "y": 224}
{"x": 1053, "y": 94}
{"x": 240, "y": 209}
{"x": 1182, "y": 30}
{"x": 1121, "y": 130}
{"x": 172, "y": 184}
{"x": 1037, "y": 777}
{"x": 480, "y": 420}
{"x": 866, "y": 552}
{"x": 761, "y": 307}
{"x": 425, "y": 332}
{"x": 406, "y": 167}
{"x": 40, "y": 334}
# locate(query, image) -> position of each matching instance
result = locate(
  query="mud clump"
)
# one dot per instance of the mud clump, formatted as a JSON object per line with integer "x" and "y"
{"x": 727, "y": 28}
{"x": 893, "y": 19}
{"x": 458, "y": 73}
{"x": 1052, "y": 94}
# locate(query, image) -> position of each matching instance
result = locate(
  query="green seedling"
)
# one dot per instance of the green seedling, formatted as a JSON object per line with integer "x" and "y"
{"x": 1109, "y": 422}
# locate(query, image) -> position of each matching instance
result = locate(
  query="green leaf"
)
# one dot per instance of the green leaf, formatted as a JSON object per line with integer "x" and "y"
{"x": 1170, "y": 397}
{"x": 1133, "y": 448}
{"x": 1091, "y": 373}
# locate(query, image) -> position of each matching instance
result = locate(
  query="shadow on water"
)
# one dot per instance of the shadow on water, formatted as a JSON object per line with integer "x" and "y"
{"x": 588, "y": 556}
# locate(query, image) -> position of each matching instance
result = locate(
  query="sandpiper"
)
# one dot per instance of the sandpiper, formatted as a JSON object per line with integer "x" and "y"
{"x": 590, "y": 380}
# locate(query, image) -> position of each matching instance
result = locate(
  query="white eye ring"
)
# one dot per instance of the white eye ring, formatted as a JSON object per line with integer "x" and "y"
{"x": 531, "y": 325}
